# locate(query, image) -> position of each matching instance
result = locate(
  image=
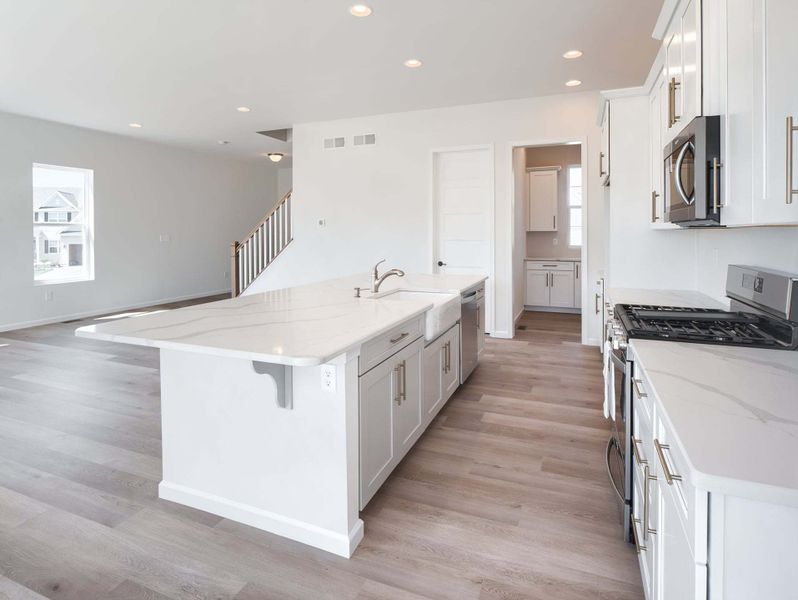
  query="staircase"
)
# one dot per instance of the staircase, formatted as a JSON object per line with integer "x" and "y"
{"x": 261, "y": 246}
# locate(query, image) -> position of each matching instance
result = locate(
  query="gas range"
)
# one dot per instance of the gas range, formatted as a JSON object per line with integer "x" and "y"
{"x": 707, "y": 326}
{"x": 763, "y": 314}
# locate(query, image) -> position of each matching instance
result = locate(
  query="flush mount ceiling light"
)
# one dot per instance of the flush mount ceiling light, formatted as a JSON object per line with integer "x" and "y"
{"x": 413, "y": 63}
{"x": 135, "y": 125}
{"x": 572, "y": 54}
{"x": 275, "y": 156}
{"x": 243, "y": 109}
{"x": 573, "y": 83}
{"x": 359, "y": 10}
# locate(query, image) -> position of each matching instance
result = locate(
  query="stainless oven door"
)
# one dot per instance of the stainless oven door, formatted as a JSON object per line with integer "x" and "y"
{"x": 618, "y": 456}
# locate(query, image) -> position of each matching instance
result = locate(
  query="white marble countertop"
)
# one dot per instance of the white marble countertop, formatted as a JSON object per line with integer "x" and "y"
{"x": 533, "y": 259}
{"x": 734, "y": 411}
{"x": 302, "y": 326}
{"x": 682, "y": 298}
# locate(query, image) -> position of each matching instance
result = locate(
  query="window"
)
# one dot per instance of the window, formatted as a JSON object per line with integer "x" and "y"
{"x": 63, "y": 237}
{"x": 575, "y": 206}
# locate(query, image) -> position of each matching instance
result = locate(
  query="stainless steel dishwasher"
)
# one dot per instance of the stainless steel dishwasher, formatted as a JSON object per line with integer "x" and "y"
{"x": 471, "y": 331}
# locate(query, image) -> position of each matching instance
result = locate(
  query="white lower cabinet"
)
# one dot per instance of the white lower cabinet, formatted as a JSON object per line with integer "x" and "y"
{"x": 553, "y": 284}
{"x": 391, "y": 416}
{"x": 441, "y": 372}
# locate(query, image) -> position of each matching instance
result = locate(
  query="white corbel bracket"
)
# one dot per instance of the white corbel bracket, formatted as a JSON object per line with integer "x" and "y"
{"x": 282, "y": 376}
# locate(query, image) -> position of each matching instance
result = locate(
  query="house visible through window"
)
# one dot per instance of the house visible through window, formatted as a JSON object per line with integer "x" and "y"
{"x": 63, "y": 202}
{"x": 575, "y": 205}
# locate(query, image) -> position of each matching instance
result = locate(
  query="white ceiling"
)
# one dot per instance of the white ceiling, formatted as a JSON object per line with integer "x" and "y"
{"x": 181, "y": 67}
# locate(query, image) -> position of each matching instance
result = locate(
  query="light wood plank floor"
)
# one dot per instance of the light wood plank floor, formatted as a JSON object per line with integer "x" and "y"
{"x": 504, "y": 497}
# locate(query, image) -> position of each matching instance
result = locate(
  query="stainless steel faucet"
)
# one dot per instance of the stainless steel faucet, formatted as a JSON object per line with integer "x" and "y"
{"x": 377, "y": 279}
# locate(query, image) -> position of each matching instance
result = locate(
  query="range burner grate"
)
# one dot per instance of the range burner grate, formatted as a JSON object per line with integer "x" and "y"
{"x": 706, "y": 326}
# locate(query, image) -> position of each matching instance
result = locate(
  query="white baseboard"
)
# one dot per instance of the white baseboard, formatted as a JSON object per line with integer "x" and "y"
{"x": 104, "y": 311}
{"x": 306, "y": 533}
{"x": 593, "y": 342}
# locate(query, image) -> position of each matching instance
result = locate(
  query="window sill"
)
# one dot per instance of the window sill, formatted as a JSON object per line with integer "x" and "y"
{"x": 65, "y": 280}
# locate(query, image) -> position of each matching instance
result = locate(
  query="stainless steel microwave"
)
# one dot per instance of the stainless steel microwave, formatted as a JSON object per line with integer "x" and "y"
{"x": 692, "y": 175}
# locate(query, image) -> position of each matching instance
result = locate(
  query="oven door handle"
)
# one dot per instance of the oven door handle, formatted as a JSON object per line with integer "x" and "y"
{"x": 678, "y": 176}
{"x": 610, "y": 443}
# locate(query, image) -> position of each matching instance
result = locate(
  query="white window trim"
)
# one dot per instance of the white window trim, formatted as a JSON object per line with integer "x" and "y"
{"x": 568, "y": 203}
{"x": 88, "y": 224}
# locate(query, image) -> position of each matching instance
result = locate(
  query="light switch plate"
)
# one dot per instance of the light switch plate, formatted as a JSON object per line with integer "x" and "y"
{"x": 328, "y": 378}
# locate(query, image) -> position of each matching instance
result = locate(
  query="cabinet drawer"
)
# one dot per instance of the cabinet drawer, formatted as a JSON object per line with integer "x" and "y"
{"x": 378, "y": 349}
{"x": 642, "y": 395}
{"x": 553, "y": 265}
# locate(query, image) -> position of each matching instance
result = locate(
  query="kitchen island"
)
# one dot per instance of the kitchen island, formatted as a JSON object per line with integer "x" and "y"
{"x": 263, "y": 398}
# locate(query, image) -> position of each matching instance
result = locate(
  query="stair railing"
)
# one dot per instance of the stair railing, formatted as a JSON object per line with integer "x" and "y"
{"x": 260, "y": 246}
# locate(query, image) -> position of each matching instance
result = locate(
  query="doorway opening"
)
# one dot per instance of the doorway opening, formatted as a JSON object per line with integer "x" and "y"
{"x": 548, "y": 269}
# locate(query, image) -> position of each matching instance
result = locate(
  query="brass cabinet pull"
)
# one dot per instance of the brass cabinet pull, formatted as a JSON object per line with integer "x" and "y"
{"x": 554, "y": 221}
{"x": 638, "y": 384}
{"x": 791, "y": 129}
{"x": 552, "y": 279}
{"x": 672, "y": 104}
{"x": 636, "y": 451}
{"x": 399, "y": 338}
{"x": 646, "y": 503}
{"x": 638, "y": 546}
{"x": 601, "y": 164}
{"x": 716, "y": 165}
{"x": 654, "y": 217}
{"x": 666, "y": 470}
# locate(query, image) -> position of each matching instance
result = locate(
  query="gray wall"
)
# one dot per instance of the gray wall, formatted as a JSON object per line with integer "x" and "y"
{"x": 540, "y": 244}
{"x": 141, "y": 190}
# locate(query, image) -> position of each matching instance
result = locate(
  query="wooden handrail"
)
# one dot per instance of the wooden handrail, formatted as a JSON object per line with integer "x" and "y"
{"x": 264, "y": 243}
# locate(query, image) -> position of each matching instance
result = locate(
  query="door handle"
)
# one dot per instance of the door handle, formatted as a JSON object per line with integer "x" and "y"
{"x": 791, "y": 129}
{"x": 716, "y": 165}
{"x": 598, "y": 301}
{"x": 554, "y": 221}
{"x": 441, "y": 263}
{"x": 678, "y": 175}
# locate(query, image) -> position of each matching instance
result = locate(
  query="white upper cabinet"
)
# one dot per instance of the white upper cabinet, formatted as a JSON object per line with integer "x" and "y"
{"x": 751, "y": 58}
{"x": 683, "y": 67}
{"x": 776, "y": 111}
{"x": 542, "y": 201}
{"x": 656, "y": 121}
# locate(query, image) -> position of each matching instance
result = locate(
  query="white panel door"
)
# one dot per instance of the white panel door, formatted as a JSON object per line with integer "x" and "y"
{"x": 542, "y": 201}
{"x": 463, "y": 199}
{"x": 777, "y": 91}
{"x": 561, "y": 284}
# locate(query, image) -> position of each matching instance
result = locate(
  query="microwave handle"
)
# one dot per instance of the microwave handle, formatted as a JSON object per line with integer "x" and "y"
{"x": 678, "y": 175}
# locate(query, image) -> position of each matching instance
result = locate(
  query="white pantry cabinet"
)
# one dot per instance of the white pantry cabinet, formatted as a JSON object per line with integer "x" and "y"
{"x": 391, "y": 416}
{"x": 441, "y": 372}
{"x": 542, "y": 200}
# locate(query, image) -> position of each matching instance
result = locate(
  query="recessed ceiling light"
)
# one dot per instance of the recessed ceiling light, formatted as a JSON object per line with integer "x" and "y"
{"x": 223, "y": 142}
{"x": 359, "y": 10}
{"x": 413, "y": 63}
{"x": 572, "y": 54}
{"x": 573, "y": 83}
{"x": 243, "y": 109}
{"x": 135, "y": 125}
{"x": 275, "y": 156}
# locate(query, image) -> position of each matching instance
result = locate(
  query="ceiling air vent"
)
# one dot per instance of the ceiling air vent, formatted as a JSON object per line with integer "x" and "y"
{"x": 368, "y": 139}
{"x": 330, "y": 143}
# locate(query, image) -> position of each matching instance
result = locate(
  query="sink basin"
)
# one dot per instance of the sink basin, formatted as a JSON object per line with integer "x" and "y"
{"x": 444, "y": 313}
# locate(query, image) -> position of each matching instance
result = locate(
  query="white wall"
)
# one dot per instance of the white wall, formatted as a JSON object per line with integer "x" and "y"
{"x": 640, "y": 257}
{"x": 771, "y": 247}
{"x": 141, "y": 190}
{"x": 376, "y": 199}
{"x": 519, "y": 241}
{"x": 285, "y": 179}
